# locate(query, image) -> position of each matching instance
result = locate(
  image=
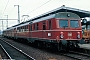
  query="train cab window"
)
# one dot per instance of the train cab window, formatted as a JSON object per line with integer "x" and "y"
{"x": 63, "y": 23}
{"x": 74, "y": 23}
{"x": 44, "y": 26}
{"x": 49, "y": 24}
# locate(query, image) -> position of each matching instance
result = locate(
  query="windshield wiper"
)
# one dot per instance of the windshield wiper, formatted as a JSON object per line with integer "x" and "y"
{"x": 64, "y": 26}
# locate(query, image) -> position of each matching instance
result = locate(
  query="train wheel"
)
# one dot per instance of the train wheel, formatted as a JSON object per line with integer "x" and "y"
{"x": 70, "y": 46}
{"x": 61, "y": 47}
{"x": 39, "y": 44}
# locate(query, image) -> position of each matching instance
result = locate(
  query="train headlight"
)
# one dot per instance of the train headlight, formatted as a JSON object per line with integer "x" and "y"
{"x": 61, "y": 35}
{"x": 78, "y": 34}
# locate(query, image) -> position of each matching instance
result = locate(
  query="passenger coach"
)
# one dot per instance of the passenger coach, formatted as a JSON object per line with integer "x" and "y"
{"x": 60, "y": 30}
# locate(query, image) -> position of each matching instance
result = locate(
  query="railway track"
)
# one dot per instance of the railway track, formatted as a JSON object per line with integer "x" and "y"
{"x": 38, "y": 54}
{"x": 13, "y": 52}
{"x": 4, "y": 54}
{"x": 77, "y": 55}
{"x": 72, "y": 54}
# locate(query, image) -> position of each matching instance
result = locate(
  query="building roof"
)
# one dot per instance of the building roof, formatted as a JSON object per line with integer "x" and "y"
{"x": 81, "y": 13}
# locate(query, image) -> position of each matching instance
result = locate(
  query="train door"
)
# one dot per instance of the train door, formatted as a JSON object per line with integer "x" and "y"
{"x": 15, "y": 32}
{"x": 44, "y": 28}
{"x": 30, "y": 30}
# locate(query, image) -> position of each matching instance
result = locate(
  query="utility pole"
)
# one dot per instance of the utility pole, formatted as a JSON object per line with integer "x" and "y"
{"x": 7, "y": 21}
{"x": 18, "y": 13}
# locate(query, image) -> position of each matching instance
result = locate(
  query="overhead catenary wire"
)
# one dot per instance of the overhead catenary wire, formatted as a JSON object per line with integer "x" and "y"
{"x": 11, "y": 11}
{"x": 5, "y": 7}
{"x": 39, "y": 6}
{"x": 14, "y": 8}
{"x": 20, "y": 3}
{"x": 26, "y": 5}
{"x": 3, "y": 12}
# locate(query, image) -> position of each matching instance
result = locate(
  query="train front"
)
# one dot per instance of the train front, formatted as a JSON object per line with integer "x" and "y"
{"x": 69, "y": 29}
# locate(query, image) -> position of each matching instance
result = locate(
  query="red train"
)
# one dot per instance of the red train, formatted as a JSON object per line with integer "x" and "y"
{"x": 59, "y": 30}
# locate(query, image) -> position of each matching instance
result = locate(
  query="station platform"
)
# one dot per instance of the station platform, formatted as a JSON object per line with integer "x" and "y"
{"x": 85, "y": 46}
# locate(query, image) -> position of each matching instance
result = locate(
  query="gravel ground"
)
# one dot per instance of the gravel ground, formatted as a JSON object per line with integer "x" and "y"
{"x": 38, "y": 54}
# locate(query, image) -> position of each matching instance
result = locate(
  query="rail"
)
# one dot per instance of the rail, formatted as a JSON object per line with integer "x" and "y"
{"x": 31, "y": 58}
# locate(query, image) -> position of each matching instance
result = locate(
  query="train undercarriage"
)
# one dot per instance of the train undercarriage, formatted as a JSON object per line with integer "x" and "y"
{"x": 61, "y": 45}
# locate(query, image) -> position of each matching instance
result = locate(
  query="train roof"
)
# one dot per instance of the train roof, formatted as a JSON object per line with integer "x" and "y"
{"x": 81, "y": 13}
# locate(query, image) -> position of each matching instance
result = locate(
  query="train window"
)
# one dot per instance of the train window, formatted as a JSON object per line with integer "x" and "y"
{"x": 34, "y": 26}
{"x": 25, "y": 28}
{"x": 30, "y": 27}
{"x": 44, "y": 26}
{"x": 49, "y": 24}
{"x": 19, "y": 29}
{"x": 63, "y": 23}
{"x": 37, "y": 26}
{"x": 74, "y": 23}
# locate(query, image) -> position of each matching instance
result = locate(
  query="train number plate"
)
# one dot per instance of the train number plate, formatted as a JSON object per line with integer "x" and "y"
{"x": 69, "y": 34}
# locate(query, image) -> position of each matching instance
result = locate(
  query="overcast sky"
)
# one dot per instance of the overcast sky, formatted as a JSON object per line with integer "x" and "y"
{"x": 34, "y": 8}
